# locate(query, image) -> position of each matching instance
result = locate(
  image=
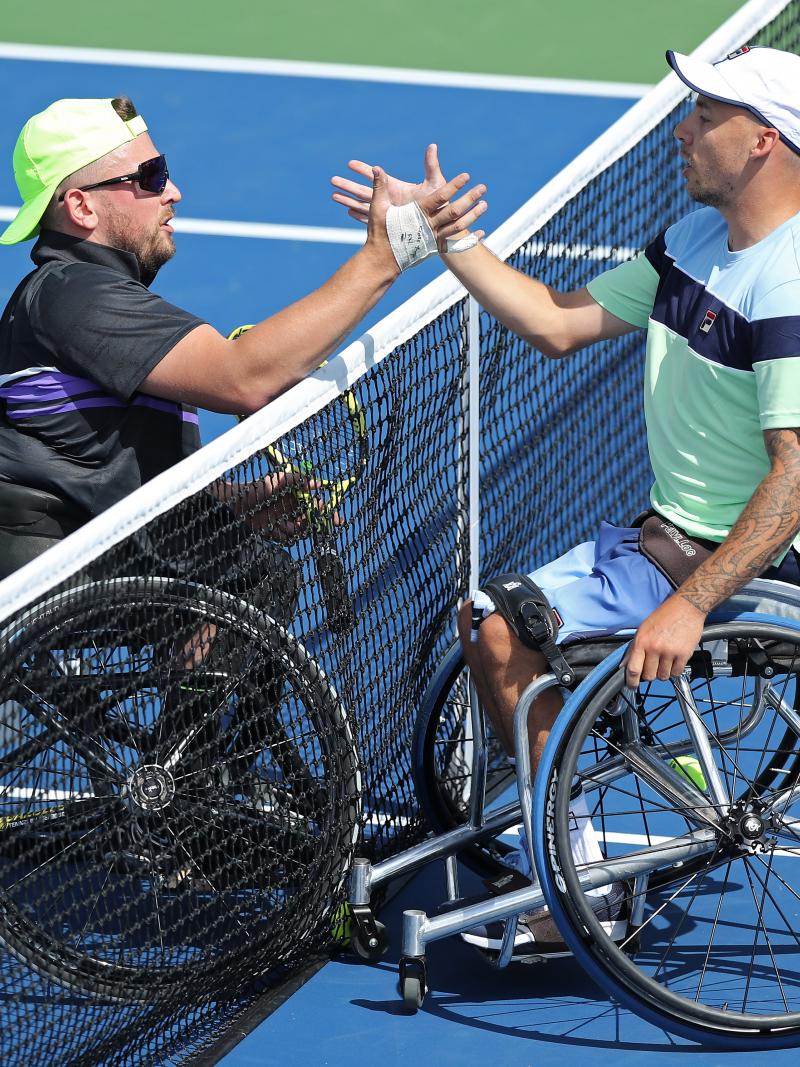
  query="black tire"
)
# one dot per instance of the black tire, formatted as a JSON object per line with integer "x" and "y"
{"x": 717, "y": 930}
{"x": 370, "y": 947}
{"x": 161, "y": 826}
{"x": 413, "y": 982}
{"x": 413, "y": 994}
{"x": 440, "y": 761}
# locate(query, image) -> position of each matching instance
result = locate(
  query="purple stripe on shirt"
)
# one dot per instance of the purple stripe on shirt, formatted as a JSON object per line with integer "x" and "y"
{"x": 154, "y": 403}
{"x": 169, "y": 406}
{"x": 47, "y": 386}
{"x": 61, "y": 390}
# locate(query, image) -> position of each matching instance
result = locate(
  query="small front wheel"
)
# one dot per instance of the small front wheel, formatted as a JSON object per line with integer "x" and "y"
{"x": 413, "y": 982}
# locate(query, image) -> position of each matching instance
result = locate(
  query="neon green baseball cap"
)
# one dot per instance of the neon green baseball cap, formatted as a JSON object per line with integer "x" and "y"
{"x": 64, "y": 137}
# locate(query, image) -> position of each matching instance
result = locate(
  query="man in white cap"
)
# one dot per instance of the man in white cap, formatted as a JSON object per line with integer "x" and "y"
{"x": 719, "y": 296}
{"x": 99, "y": 376}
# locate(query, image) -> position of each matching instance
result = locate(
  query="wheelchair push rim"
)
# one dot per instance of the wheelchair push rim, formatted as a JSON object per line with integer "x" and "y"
{"x": 693, "y": 792}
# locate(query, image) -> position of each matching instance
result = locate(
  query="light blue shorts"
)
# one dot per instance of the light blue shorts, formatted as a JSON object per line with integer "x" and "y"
{"x": 603, "y": 587}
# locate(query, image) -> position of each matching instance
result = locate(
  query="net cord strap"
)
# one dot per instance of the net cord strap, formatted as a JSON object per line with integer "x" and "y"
{"x": 279, "y": 417}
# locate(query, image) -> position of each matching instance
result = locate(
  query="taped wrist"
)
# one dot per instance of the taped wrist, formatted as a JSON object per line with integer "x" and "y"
{"x": 411, "y": 236}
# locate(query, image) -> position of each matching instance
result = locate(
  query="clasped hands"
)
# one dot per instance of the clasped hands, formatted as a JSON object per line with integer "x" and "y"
{"x": 448, "y": 219}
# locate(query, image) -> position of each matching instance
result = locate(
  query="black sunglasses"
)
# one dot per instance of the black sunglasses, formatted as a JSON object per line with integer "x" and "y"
{"x": 152, "y": 176}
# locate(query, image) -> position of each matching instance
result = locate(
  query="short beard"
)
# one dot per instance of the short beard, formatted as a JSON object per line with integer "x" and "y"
{"x": 152, "y": 250}
{"x": 719, "y": 198}
{"x": 709, "y": 197}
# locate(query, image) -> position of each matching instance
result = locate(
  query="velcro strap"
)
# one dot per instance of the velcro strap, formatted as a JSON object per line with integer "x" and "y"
{"x": 530, "y": 615}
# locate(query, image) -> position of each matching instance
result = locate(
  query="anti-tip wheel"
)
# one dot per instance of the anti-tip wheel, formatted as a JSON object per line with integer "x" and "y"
{"x": 370, "y": 946}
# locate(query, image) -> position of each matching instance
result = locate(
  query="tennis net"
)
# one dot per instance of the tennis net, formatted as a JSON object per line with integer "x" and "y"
{"x": 193, "y": 734}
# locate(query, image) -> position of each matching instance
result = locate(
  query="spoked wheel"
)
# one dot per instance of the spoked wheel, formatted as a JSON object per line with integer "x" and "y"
{"x": 442, "y": 761}
{"x": 693, "y": 787}
{"x": 179, "y": 789}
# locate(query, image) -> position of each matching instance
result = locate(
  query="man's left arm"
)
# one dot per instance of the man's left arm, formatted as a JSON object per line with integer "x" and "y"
{"x": 764, "y": 530}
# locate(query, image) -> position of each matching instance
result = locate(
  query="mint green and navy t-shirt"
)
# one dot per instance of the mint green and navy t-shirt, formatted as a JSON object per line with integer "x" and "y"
{"x": 77, "y": 339}
{"x": 723, "y": 361}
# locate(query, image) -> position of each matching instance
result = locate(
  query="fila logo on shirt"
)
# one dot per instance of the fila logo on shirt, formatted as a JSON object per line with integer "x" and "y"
{"x": 739, "y": 52}
{"x": 708, "y": 321}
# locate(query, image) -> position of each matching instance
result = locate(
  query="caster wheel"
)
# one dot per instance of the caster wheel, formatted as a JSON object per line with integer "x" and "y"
{"x": 370, "y": 945}
{"x": 413, "y": 982}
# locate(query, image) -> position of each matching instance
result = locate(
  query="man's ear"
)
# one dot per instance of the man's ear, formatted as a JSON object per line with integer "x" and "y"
{"x": 767, "y": 139}
{"x": 79, "y": 210}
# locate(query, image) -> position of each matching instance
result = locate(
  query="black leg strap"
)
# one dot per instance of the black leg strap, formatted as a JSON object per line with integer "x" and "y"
{"x": 528, "y": 612}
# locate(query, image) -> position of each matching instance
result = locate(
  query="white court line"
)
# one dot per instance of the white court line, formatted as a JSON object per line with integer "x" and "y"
{"x": 341, "y": 235}
{"x": 642, "y": 839}
{"x": 261, "y": 230}
{"x": 272, "y": 231}
{"x": 289, "y": 68}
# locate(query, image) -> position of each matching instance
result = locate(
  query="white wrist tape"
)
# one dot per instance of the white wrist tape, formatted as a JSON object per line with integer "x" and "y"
{"x": 411, "y": 237}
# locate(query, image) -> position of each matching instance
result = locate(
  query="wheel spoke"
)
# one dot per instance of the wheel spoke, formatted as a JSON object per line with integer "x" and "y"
{"x": 719, "y": 754}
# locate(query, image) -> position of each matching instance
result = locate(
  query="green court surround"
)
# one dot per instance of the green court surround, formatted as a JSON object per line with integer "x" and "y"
{"x": 612, "y": 40}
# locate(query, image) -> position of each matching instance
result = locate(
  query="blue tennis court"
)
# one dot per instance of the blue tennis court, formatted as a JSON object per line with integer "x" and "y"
{"x": 258, "y": 150}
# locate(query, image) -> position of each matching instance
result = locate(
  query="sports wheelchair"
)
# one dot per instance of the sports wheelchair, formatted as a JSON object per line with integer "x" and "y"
{"x": 693, "y": 788}
{"x": 179, "y": 789}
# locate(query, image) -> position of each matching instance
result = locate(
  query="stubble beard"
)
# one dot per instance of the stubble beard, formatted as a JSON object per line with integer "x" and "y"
{"x": 152, "y": 248}
{"x": 719, "y": 196}
{"x": 710, "y": 197}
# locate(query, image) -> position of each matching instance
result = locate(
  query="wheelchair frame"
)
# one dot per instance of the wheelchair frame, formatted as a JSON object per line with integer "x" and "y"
{"x": 531, "y": 807}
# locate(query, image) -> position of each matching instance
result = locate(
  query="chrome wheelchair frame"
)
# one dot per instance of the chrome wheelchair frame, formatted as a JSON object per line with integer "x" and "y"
{"x": 605, "y": 739}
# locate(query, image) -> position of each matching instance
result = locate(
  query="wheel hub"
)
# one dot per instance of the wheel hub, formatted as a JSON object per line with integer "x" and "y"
{"x": 151, "y": 787}
{"x": 747, "y": 827}
{"x": 751, "y": 827}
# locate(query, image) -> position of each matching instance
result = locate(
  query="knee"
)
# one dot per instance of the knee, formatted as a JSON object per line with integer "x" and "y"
{"x": 500, "y": 649}
{"x": 496, "y": 642}
{"x": 497, "y": 647}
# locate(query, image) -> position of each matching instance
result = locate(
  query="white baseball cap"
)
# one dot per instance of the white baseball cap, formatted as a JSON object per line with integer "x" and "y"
{"x": 764, "y": 81}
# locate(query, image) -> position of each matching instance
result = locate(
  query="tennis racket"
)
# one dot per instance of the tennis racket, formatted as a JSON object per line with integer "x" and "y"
{"x": 329, "y": 447}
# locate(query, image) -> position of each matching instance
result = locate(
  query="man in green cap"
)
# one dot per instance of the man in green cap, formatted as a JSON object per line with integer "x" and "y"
{"x": 99, "y": 376}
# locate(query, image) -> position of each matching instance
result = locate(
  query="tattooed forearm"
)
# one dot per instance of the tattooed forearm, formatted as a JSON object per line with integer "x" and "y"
{"x": 764, "y": 530}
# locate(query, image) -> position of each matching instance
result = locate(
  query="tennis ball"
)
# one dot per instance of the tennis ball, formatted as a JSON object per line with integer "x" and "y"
{"x": 342, "y": 925}
{"x": 690, "y": 767}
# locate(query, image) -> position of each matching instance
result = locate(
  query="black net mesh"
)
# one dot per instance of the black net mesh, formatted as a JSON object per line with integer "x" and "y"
{"x": 196, "y": 726}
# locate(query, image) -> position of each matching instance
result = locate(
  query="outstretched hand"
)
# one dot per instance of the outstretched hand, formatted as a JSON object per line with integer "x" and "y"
{"x": 448, "y": 218}
{"x": 356, "y": 197}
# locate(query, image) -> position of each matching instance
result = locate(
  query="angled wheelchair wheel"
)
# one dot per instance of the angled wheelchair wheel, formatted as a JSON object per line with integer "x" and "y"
{"x": 693, "y": 787}
{"x": 179, "y": 790}
{"x": 441, "y": 761}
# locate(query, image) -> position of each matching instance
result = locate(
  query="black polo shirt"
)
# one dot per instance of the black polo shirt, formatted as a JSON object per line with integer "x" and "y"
{"x": 78, "y": 337}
